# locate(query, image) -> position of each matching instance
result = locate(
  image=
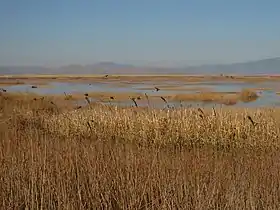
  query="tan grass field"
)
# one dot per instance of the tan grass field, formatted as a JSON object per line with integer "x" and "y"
{"x": 54, "y": 155}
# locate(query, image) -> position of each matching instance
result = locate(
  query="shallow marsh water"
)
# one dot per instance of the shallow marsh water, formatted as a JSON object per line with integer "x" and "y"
{"x": 267, "y": 91}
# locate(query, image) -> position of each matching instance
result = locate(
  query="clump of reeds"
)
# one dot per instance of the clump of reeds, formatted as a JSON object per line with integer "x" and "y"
{"x": 247, "y": 95}
{"x": 68, "y": 96}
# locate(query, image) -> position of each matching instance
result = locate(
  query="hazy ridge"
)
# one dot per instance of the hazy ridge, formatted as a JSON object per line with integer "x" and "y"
{"x": 264, "y": 66}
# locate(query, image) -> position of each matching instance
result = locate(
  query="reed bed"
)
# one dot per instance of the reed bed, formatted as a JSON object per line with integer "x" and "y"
{"x": 55, "y": 156}
{"x": 180, "y": 127}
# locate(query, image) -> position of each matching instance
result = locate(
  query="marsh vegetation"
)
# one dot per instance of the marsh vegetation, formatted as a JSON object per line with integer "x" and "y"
{"x": 55, "y": 155}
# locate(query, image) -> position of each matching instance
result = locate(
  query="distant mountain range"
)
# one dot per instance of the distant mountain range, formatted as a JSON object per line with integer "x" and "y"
{"x": 264, "y": 66}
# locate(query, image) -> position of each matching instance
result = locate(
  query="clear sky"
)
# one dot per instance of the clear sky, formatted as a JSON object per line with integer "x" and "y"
{"x": 146, "y": 32}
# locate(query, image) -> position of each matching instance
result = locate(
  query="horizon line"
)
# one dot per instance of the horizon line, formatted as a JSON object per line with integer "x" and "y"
{"x": 138, "y": 65}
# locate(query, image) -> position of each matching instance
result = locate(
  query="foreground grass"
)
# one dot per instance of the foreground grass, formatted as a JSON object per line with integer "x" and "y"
{"x": 53, "y": 156}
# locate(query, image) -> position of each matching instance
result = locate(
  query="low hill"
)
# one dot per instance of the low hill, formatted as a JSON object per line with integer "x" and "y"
{"x": 265, "y": 66}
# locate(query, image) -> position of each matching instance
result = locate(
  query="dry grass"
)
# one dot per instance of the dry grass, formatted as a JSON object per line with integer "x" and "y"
{"x": 219, "y": 97}
{"x": 121, "y": 96}
{"x": 99, "y": 96}
{"x": 5, "y": 82}
{"x": 100, "y": 157}
{"x": 204, "y": 96}
{"x": 247, "y": 95}
{"x": 22, "y": 81}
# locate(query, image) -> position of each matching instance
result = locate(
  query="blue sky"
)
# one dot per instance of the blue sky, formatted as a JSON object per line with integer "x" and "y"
{"x": 146, "y": 32}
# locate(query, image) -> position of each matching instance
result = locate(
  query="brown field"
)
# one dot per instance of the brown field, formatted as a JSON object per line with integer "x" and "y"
{"x": 54, "y": 155}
